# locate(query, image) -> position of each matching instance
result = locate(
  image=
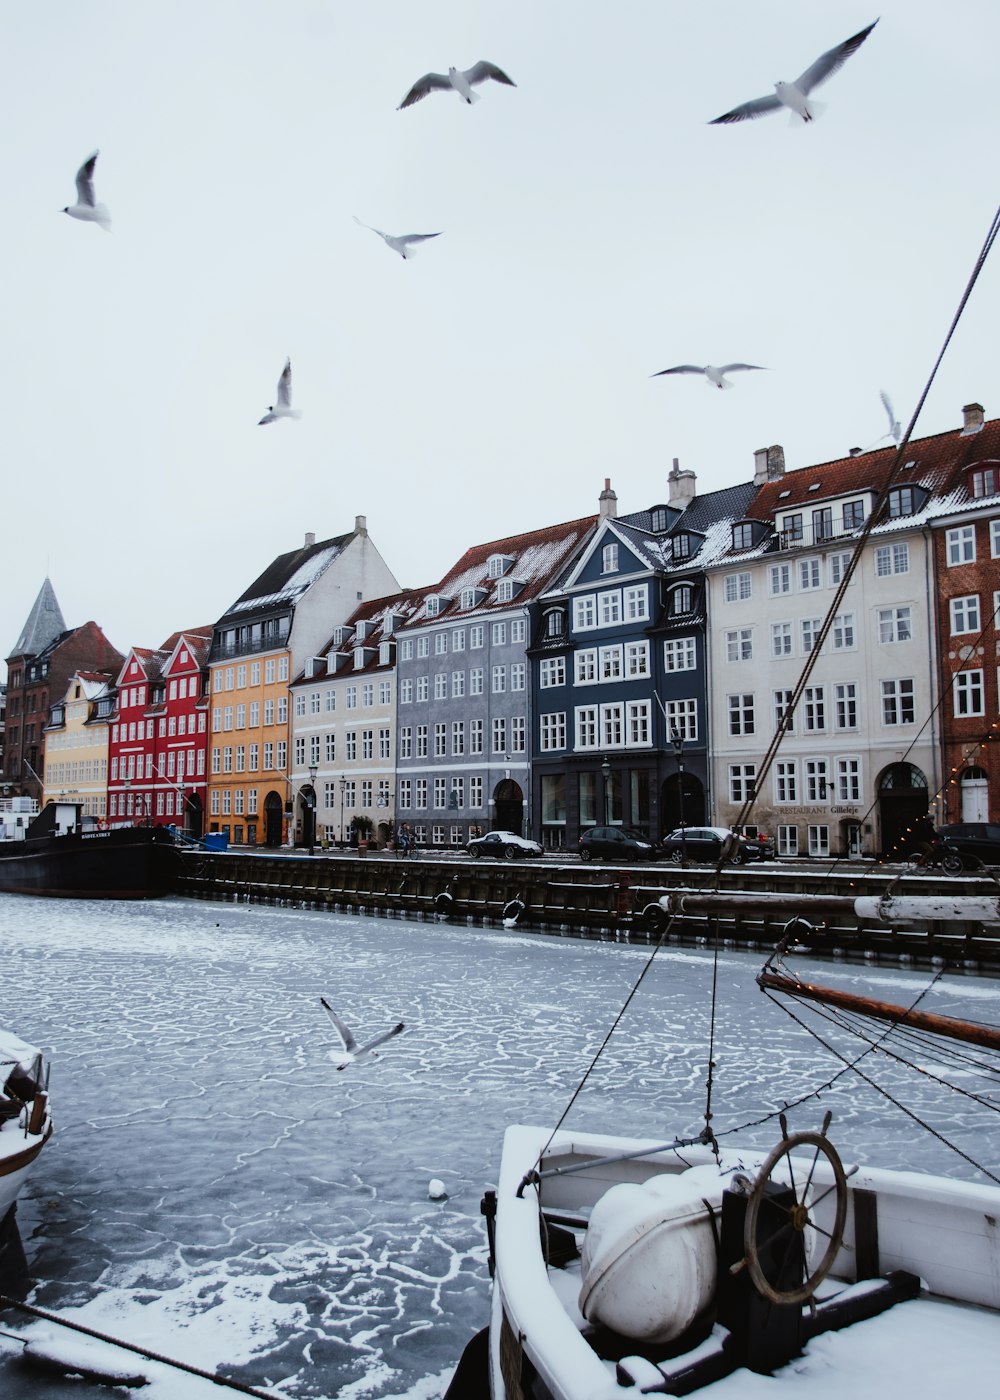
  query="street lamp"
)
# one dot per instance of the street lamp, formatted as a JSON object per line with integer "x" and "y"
{"x": 343, "y": 789}
{"x": 313, "y": 770}
{"x": 606, "y": 772}
{"x": 677, "y": 742}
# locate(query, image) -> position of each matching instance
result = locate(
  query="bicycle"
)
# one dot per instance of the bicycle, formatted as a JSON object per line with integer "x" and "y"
{"x": 939, "y": 853}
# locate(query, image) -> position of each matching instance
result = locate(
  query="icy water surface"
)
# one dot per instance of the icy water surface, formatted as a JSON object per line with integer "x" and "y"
{"x": 217, "y": 1191}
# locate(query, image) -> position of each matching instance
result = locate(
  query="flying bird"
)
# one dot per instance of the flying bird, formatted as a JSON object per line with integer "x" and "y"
{"x": 456, "y": 80}
{"x": 85, "y": 207}
{"x": 714, "y": 374}
{"x": 795, "y": 95}
{"x": 283, "y": 408}
{"x": 895, "y": 430}
{"x": 399, "y": 243}
{"x": 352, "y": 1050}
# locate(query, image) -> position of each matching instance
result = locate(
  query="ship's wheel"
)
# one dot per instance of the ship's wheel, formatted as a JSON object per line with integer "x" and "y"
{"x": 800, "y": 1226}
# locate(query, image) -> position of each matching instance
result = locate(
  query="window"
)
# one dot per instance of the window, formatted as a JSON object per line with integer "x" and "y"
{"x": 902, "y": 501}
{"x": 518, "y": 629}
{"x": 783, "y": 716}
{"x": 839, "y": 564}
{"x": 817, "y": 779}
{"x": 406, "y": 649}
{"x": 420, "y": 792}
{"x": 458, "y": 737}
{"x": 810, "y": 631}
{"x": 610, "y": 663}
{"x": 457, "y": 684}
{"x": 965, "y": 614}
{"x": 995, "y": 538}
{"x": 609, "y": 559}
{"x": 854, "y": 515}
{"x": 968, "y": 691}
{"x": 612, "y": 726}
{"x": 499, "y": 679}
{"x": 848, "y": 780}
{"x": 475, "y": 736}
{"x": 584, "y": 613}
{"x": 819, "y": 841}
{"x": 517, "y": 675}
{"x": 680, "y": 600}
{"x": 779, "y": 577}
{"x": 405, "y": 792}
{"x": 810, "y": 575}
{"x": 406, "y": 691}
{"x": 351, "y": 696}
{"x": 843, "y": 632}
{"x": 367, "y": 743}
{"x": 788, "y": 840}
{"x": 499, "y": 634}
{"x": 500, "y": 735}
{"x": 423, "y": 646}
{"x": 421, "y": 741}
{"x": 636, "y": 660}
{"x": 586, "y": 666}
{"x": 423, "y": 688}
{"x": 781, "y": 639}
{"x": 742, "y": 780}
{"x": 846, "y": 705}
{"x": 894, "y": 625}
{"x": 498, "y": 565}
{"x": 786, "y": 780}
{"x": 468, "y": 598}
{"x": 637, "y": 715}
{"x": 440, "y": 793}
{"x": 553, "y": 731}
{"x": 440, "y": 643}
{"x": 636, "y": 603}
{"x": 736, "y": 587}
{"x": 682, "y": 716}
{"x": 679, "y": 654}
{"x": 741, "y": 717}
{"x": 555, "y": 623}
{"x": 743, "y": 536}
{"x": 384, "y": 692}
{"x": 960, "y": 545}
{"x": 791, "y": 529}
{"x": 458, "y": 639}
{"x": 897, "y": 702}
{"x": 441, "y": 686}
{"x": 518, "y": 734}
{"x": 586, "y": 727}
{"x": 476, "y": 680}
{"x": 351, "y": 745}
{"x": 552, "y": 671}
{"x": 814, "y": 708}
{"x": 680, "y": 547}
{"x": 477, "y": 636}
{"x": 984, "y": 481}
{"x": 440, "y": 740}
{"x": 892, "y": 559}
{"x": 739, "y": 645}
{"x": 610, "y": 607}
{"x": 822, "y": 524}
{"x": 475, "y": 792}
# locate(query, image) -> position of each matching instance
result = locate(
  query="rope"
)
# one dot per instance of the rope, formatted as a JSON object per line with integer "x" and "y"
{"x": 130, "y": 1346}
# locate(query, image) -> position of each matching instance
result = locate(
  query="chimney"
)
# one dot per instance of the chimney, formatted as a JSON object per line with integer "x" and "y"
{"x": 607, "y": 502}
{"x": 310, "y": 540}
{"x": 972, "y": 419}
{"x": 681, "y": 487}
{"x": 361, "y": 525}
{"x": 768, "y": 464}
{"x": 855, "y": 452}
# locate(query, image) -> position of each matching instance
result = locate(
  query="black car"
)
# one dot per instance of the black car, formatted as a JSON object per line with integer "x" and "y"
{"x": 974, "y": 841}
{"x": 505, "y": 845}
{"x": 618, "y": 843}
{"x": 705, "y": 844}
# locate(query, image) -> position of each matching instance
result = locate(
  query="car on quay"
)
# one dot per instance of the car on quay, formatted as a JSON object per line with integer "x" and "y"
{"x": 504, "y": 845}
{"x": 976, "y": 842}
{"x": 616, "y": 843}
{"x": 702, "y": 844}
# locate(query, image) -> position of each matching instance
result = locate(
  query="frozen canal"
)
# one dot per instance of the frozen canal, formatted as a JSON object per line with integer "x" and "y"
{"x": 218, "y": 1192}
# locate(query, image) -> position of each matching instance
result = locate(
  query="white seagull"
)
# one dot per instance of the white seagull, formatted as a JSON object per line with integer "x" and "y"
{"x": 795, "y": 95}
{"x": 456, "y": 80}
{"x": 283, "y": 408}
{"x": 85, "y": 207}
{"x": 895, "y": 430}
{"x": 352, "y": 1050}
{"x": 714, "y": 374}
{"x": 399, "y": 243}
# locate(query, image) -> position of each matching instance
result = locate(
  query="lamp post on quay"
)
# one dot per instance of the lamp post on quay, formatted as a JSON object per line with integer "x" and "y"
{"x": 677, "y": 743}
{"x": 606, "y": 774}
{"x": 313, "y": 770}
{"x": 343, "y": 789}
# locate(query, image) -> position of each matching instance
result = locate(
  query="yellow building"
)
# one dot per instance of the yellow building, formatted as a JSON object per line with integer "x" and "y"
{"x": 285, "y": 616}
{"x": 76, "y": 744}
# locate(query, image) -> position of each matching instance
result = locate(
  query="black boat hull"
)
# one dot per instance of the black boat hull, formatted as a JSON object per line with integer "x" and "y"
{"x": 121, "y": 863}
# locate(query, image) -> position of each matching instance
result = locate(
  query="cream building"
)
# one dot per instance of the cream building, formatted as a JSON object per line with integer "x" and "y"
{"x": 76, "y": 744}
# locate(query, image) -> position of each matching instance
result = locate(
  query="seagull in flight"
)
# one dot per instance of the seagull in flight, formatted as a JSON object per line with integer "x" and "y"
{"x": 895, "y": 430}
{"x": 85, "y": 207}
{"x": 714, "y": 374}
{"x": 456, "y": 80}
{"x": 352, "y": 1050}
{"x": 399, "y": 243}
{"x": 283, "y": 408}
{"x": 795, "y": 95}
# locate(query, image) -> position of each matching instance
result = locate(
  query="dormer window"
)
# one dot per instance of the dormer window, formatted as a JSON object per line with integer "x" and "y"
{"x": 854, "y": 515}
{"x": 984, "y": 481}
{"x": 902, "y": 501}
{"x": 743, "y": 535}
{"x": 609, "y": 559}
{"x": 658, "y": 519}
{"x": 340, "y": 636}
{"x": 385, "y": 653}
{"x": 681, "y": 547}
{"x": 433, "y": 605}
{"x": 499, "y": 564}
{"x": 680, "y": 600}
{"x": 555, "y": 623}
{"x": 508, "y": 589}
{"x": 471, "y": 598}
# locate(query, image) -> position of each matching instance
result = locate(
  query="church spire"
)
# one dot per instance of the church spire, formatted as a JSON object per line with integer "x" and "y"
{"x": 45, "y": 623}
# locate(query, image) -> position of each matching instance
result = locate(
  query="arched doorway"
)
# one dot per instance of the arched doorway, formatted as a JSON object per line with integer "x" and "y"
{"x": 194, "y": 815}
{"x": 508, "y": 808}
{"x": 975, "y": 790}
{"x": 273, "y": 819}
{"x": 673, "y": 813}
{"x": 902, "y": 798}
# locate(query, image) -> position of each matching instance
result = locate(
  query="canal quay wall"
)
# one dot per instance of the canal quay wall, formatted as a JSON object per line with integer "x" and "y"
{"x": 610, "y": 903}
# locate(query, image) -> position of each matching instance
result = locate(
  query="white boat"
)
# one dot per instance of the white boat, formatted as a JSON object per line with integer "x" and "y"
{"x": 25, "y": 1121}
{"x": 626, "y": 1266}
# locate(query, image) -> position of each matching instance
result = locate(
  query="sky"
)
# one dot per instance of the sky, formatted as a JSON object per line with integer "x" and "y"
{"x": 595, "y": 229}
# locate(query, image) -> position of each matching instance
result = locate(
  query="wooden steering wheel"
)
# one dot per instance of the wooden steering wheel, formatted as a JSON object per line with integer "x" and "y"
{"x": 800, "y": 1215}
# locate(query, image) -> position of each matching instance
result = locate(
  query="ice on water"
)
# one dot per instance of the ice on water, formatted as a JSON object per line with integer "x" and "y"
{"x": 218, "y": 1193}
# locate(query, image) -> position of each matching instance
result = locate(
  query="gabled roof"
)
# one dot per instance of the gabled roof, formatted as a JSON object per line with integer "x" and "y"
{"x": 377, "y": 612}
{"x": 44, "y": 625}
{"x": 535, "y": 556}
{"x": 197, "y": 640}
{"x": 152, "y": 663}
{"x": 286, "y": 578}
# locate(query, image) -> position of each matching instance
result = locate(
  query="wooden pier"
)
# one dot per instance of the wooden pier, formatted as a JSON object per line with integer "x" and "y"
{"x": 615, "y": 904}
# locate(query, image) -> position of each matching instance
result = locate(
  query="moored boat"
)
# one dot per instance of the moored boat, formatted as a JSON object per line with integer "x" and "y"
{"x": 25, "y": 1121}
{"x": 63, "y": 853}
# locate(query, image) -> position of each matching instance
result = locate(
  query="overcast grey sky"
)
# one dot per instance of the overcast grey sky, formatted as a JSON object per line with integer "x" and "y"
{"x": 596, "y": 229}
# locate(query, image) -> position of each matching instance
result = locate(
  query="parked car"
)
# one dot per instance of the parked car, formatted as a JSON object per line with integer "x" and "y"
{"x": 504, "y": 845}
{"x": 618, "y": 843}
{"x": 705, "y": 843}
{"x": 979, "y": 841}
